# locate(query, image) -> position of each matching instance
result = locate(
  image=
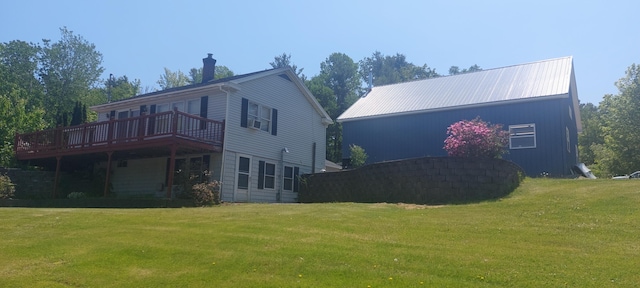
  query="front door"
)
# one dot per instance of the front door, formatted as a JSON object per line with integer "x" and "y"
{"x": 243, "y": 177}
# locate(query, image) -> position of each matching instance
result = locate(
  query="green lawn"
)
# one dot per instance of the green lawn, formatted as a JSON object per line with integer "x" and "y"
{"x": 548, "y": 233}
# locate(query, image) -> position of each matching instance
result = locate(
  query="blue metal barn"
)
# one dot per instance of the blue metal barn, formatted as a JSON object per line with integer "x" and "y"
{"x": 536, "y": 102}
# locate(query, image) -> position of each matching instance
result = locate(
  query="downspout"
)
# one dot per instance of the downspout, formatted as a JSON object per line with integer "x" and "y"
{"x": 224, "y": 144}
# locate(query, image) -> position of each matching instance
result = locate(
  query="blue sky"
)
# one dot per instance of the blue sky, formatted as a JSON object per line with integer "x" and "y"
{"x": 140, "y": 38}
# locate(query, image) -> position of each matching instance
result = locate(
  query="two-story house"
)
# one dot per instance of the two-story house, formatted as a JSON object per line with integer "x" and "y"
{"x": 254, "y": 132}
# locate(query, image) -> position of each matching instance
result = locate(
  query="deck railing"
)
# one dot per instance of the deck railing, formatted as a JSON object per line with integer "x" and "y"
{"x": 118, "y": 134}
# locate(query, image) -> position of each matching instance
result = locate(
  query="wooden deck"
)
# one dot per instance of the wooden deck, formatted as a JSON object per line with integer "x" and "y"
{"x": 154, "y": 132}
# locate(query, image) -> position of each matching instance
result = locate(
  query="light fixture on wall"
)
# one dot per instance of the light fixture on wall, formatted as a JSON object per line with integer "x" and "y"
{"x": 285, "y": 150}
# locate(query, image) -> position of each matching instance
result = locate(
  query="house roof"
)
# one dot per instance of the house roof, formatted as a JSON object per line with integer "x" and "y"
{"x": 231, "y": 83}
{"x": 182, "y": 88}
{"x": 525, "y": 82}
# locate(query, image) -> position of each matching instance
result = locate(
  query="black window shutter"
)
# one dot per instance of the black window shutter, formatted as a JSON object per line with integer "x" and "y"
{"x": 204, "y": 102}
{"x": 261, "y": 175}
{"x": 206, "y": 159}
{"x": 143, "y": 109}
{"x": 245, "y": 112}
{"x": 274, "y": 122}
{"x": 296, "y": 180}
{"x": 152, "y": 120}
{"x": 112, "y": 114}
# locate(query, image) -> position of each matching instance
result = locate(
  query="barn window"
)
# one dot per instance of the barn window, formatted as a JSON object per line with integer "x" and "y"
{"x": 522, "y": 136}
{"x": 570, "y": 113}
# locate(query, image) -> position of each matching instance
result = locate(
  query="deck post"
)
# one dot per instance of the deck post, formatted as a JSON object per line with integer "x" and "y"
{"x": 55, "y": 181}
{"x": 107, "y": 174}
{"x": 110, "y": 131}
{"x": 174, "y": 122}
{"x": 172, "y": 168}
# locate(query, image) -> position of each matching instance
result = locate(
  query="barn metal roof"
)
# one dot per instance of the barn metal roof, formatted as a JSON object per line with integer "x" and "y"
{"x": 523, "y": 82}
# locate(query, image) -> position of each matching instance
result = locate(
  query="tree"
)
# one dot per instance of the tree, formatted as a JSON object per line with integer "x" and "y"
{"x": 79, "y": 115}
{"x": 476, "y": 138}
{"x": 69, "y": 68}
{"x": 454, "y": 70}
{"x": 328, "y": 100}
{"x": 392, "y": 69}
{"x": 340, "y": 74}
{"x": 172, "y": 79}
{"x": 20, "y": 60}
{"x": 284, "y": 60}
{"x": 121, "y": 88}
{"x": 620, "y": 114}
{"x": 20, "y": 95}
{"x": 195, "y": 74}
{"x": 358, "y": 156}
{"x": 324, "y": 95}
{"x": 592, "y": 133}
{"x": 17, "y": 116}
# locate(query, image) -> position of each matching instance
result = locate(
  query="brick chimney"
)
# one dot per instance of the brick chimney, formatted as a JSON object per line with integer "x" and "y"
{"x": 208, "y": 68}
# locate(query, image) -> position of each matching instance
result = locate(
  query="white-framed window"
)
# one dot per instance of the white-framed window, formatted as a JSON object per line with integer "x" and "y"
{"x": 522, "y": 136}
{"x": 287, "y": 180}
{"x": 290, "y": 180}
{"x": 259, "y": 117}
{"x": 163, "y": 124}
{"x": 266, "y": 175}
{"x": 193, "y": 107}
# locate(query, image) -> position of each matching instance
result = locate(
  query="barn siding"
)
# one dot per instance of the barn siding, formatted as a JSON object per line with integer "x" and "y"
{"x": 417, "y": 135}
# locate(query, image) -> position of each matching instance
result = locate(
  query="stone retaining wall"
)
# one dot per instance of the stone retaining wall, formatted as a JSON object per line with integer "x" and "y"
{"x": 429, "y": 180}
{"x": 30, "y": 184}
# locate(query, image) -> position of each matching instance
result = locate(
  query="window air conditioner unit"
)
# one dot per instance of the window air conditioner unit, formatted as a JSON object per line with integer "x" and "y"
{"x": 255, "y": 124}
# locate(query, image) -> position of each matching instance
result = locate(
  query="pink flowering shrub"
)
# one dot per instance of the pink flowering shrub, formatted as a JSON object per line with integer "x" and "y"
{"x": 476, "y": 138}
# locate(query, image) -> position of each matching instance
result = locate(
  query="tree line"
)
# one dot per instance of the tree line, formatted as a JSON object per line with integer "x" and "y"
{"x": 609, "y": 142}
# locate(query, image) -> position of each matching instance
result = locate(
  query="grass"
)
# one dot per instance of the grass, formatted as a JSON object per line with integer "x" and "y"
{"x": 548, "y": 233}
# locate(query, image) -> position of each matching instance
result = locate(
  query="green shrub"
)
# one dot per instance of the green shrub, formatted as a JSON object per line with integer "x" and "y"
{"x": 205, "y": 193}
{"x": 7, "y": 188}
{"x": 358, "y": 156}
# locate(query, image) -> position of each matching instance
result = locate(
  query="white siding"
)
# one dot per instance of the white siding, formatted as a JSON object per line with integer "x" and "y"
{"x": 146, "y": 177}
{"x": 217, "y": 107}
{"x": 228, "y": 178}
{"x": 216, "y": 103}
{"x": 299, "y": 126}
{"x": 141, "y": 177}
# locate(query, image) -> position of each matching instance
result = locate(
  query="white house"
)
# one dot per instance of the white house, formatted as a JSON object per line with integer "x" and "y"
{"x": 254, "y": 132}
